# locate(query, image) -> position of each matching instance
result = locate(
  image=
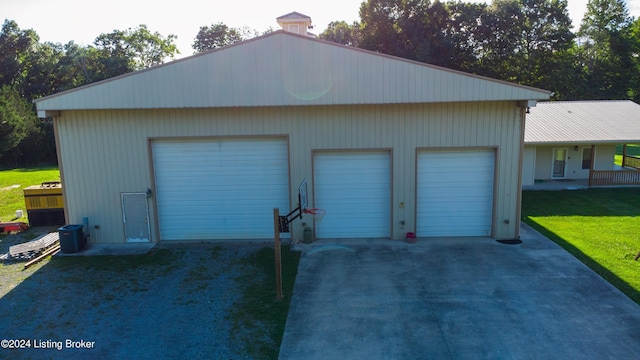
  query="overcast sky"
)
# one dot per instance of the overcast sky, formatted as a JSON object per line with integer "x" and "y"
{"x": 82, "y": 21}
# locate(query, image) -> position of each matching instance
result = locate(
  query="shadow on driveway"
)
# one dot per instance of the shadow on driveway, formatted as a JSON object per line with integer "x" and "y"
{"x": 455, "y": 299}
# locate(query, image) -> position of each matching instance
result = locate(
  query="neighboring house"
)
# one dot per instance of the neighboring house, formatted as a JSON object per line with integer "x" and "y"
{"x": 576, "y": 140}
{"x": 205, "y": 147}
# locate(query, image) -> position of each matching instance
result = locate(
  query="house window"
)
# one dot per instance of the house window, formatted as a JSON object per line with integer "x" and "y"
{"x": 586, "y": 158}
{"x": 294, "y": 28}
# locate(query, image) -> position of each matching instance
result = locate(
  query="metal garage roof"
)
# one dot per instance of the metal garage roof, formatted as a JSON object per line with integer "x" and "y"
{"x": 283, "y": 69}
{"x": 583, "y": 122}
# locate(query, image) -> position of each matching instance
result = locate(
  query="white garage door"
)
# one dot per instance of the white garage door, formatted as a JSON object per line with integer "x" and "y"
{"x": 220, "y": 189}
{"x": 455, "y": 193}
{"x": 355, "y": 190}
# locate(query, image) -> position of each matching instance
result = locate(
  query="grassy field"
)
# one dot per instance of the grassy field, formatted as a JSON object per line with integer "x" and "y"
{"x": 12, "y": 184}
{"x": 601, "y": 227}
{"x": 632, "y": 149}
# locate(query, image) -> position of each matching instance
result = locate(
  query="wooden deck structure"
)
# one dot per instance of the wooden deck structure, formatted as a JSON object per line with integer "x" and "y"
{"x": 630, "y": 161}
{"x": 626, "y": 176}
{"x": 614, "y": 177}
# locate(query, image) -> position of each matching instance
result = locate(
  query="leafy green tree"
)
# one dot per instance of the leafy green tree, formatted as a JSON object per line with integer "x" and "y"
{"x": 219, "y": 35}
{"x": 43, "y": 73}
{"x": 150, "y": 49}
{"x": 526, "y": 39}
{"x": 37, "y": 148}
{"x": 78, "y": 66}
{"x": 423, "y": 31}
{"x": 466, "y": 34}
{"x": 135, "y": 49}
{"x": 342, "y": 33}
{"x": 606, "y": 50}
{"x": 523, "y": 41}
{"x": 29, "y": 69}
{"x": 635, "y": 43}
{"x": 17, "y": 121}
{"x": 379, "y": 29}
{"x": 413, "y": 29}
{"x": 15, "y": 46}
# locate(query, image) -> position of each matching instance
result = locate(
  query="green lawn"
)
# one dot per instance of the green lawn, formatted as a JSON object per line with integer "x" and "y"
{"x": 11, "y": 196}
{"x": 601, "y": 227}
{"x": 632, "y": 149}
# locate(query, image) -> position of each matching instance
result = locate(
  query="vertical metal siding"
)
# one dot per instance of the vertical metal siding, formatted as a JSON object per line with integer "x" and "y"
{"x": 105, "y": 152}
{"x": 284, "y": 65}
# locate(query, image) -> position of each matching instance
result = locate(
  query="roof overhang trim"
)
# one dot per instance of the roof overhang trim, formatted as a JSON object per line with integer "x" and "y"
{"x": 43, "y": 114}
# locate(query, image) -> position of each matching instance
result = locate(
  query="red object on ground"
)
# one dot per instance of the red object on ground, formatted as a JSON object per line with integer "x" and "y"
{"x": 13, "y": 226}
{"x": 411, "y": 237}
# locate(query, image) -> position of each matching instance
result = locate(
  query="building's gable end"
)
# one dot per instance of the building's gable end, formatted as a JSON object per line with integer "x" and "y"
{"x": 282, "y": 69}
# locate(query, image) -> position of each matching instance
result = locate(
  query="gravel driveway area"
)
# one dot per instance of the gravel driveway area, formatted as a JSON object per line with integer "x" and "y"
{"x": 174, "y": 303}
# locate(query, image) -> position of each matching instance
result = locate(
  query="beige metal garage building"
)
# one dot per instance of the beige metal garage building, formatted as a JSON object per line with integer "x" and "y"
{"x": 205, "y": 147}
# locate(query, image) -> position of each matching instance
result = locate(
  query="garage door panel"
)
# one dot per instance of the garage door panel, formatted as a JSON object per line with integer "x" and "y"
{"x": 354, "y": 188}
{"x": 457, "y": 177}
{"x": 220, "y": 189}
{"x": 461, "y": 198}
{"x": 457, "y": 209}
{"x": 455, "y": 193}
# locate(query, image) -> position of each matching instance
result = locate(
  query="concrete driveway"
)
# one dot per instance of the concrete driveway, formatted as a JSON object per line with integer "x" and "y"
{"x": 469, "y": 298}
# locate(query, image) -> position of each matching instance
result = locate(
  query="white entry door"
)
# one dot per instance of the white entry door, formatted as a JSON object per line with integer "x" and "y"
{"x": 135, "y": 214}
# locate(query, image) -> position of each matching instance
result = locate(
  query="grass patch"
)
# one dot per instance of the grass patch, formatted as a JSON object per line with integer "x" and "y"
{"x": 258, "y": 318}
{"x": 632, "y": 149}
{"x": 12, "y": 197}
{"x": 600, "y": 227}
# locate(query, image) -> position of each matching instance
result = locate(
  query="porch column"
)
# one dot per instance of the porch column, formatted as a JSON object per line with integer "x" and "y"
{"x": 593, "y": 157}
{"x": 624, "y": 155}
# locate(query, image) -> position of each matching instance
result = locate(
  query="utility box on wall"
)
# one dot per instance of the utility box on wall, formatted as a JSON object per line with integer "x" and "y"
{"x": 44, "y": 204}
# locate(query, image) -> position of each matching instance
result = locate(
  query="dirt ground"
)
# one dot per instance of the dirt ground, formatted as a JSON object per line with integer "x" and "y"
{"x": 170, "y": 304}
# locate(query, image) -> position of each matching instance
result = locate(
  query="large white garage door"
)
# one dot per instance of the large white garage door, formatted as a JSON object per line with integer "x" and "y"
{"x": 220, "y": 189}
{"x": 355, "y": 190}
{"x": 455, "y": 193}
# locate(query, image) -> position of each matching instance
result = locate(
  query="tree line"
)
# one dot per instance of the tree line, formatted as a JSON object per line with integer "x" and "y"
{"x": 30, "y": 69}
{"x": 530, "y": 42}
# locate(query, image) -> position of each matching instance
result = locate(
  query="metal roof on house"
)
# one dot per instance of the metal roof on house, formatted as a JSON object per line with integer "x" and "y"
{"x": 602, "y": 121}
{"x": 285, "y": 69}
{"x": 293, "y": 15}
